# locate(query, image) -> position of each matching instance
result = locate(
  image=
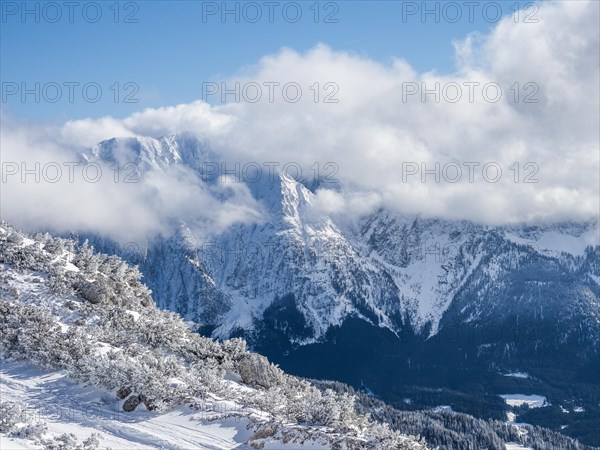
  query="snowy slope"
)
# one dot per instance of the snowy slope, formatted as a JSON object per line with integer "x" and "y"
{"x": 85, "y": 350}
{"x": 81, "y": 338}
{"x": 68, "y": 407}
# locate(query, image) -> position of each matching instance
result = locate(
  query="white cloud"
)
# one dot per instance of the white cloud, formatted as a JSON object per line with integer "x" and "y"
{"x": 46, "y": 186}
{"x": 374, "y": 133}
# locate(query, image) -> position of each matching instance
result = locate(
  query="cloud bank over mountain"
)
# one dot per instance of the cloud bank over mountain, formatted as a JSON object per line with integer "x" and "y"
{"x": 510, "y": 136}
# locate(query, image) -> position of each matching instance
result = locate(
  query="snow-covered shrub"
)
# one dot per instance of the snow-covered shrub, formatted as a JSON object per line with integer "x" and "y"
{"x": 11, "y": 414}
{"x": 15, "y": 420}
{"x": 257, "y": 371}
{"x": 236, "y": 348}
{"x": 66, "y": 441}
{"x": 92, "y": 442}
{"x": 33, "y": 431}
{"x": 103, "y": 328}
{"x": 94, "y": 292}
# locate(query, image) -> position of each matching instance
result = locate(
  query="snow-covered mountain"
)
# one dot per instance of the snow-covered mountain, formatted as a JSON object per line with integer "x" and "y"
{"x": 87, "y": 361}
{"x": 390, "y": 270}
{"x": 386, "y": 297}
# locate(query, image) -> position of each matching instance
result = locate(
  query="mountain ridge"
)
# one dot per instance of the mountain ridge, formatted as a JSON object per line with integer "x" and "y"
{"x": 296, "y": 282}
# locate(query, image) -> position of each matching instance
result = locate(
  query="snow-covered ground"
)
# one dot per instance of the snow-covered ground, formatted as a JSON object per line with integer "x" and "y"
{"x": 534, "y": 401}
{"x": 513, "y": 446}
{"x": 442, "y": 408}
{"x": 556, "y": 241}
{"x": 517, "y": 375}
{"x": 68, "y": 407}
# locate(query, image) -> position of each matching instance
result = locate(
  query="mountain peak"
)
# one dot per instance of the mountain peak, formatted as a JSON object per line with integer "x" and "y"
{"x": 148, "y": 153}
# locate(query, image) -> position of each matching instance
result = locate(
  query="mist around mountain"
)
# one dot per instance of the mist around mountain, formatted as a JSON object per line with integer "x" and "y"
{"x": 399, "y": 306}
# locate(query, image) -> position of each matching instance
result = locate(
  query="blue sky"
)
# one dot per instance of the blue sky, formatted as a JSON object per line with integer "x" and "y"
{"x": 170, "y": 51}
{"x": 538, "y": 130}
